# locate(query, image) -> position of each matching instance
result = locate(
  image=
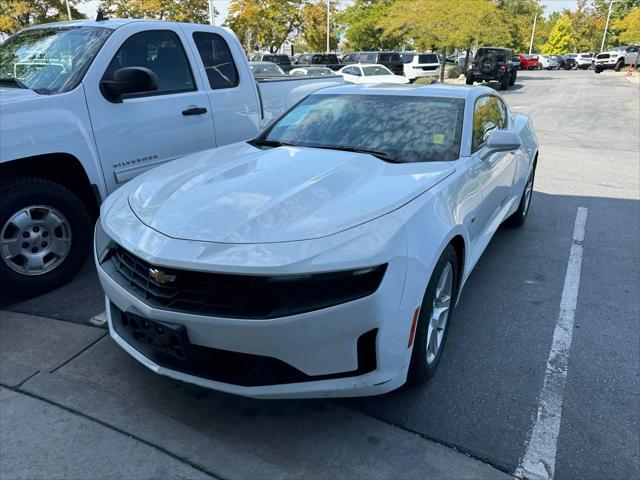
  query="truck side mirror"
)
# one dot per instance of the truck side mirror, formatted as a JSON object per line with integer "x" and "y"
{"x": 127, "y": 81}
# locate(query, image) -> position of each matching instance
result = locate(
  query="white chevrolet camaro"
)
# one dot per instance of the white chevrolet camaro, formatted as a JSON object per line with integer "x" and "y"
{"x": 323, "y": 258}
{"x": 369, "y": 73}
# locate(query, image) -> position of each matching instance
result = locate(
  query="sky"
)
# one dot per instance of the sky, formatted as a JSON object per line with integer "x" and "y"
{"x": 89, "y": 8}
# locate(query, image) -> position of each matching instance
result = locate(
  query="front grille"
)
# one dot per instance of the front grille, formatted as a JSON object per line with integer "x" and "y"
{"x": 239, "y": 296}
{"x": 603, "y": 55}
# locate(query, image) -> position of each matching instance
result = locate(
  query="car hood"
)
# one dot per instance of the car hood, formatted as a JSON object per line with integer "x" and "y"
{"x": 10, "y": 95}
{"x": 242, "y": 194}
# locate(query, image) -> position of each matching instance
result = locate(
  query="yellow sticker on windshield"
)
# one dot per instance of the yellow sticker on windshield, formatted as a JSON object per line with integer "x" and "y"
{"x": 438, "y": 138}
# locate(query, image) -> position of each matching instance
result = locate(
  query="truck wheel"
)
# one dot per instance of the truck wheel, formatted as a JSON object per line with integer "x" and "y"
{"x": 598, "y": 69}
{"x": 45, "y": 235}
{"x": 470, "y": 79}
{"x": 504, "y": 81}
{"x": 619, "y": 65}
{"x": 512, "y": 80}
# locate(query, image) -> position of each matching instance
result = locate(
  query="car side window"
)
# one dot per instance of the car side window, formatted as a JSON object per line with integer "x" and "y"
{"x": 217, "y": 59}
{"x": 348, "y": 70}
{"x": 160, "y": 51}
{"x": 489, "y": 114}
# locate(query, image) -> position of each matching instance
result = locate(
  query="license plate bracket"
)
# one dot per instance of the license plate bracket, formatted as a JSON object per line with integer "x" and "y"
{"x": 169, "y": 338}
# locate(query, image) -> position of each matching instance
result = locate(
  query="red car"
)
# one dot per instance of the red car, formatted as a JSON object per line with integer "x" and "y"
{"x": 528, "y": 62}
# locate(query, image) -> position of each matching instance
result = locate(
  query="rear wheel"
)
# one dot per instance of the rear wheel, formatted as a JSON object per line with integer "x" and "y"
{"x": 520, "y": 215}
{"x": 45, "y": 235}
{"x": 504, "y": 81}
{"x": 512, "y": 81}
{"x": 435, "y": 317}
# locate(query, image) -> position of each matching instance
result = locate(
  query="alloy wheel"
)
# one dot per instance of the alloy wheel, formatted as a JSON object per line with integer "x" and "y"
{"x": 439, "y": 313}
{"x": 35, "y": 240}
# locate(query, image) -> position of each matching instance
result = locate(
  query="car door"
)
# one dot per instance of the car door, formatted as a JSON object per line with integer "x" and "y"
{"x": 233, "y": 97}
{"x": 144, "y": 130}
{"x": 495, "y": 171}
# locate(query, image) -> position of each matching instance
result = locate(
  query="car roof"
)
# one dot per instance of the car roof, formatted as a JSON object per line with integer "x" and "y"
{"x": 111, "y": 24}
{"x": 435, "y": 90}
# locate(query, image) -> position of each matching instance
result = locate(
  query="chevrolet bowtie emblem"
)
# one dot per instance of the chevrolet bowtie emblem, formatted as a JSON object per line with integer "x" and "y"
{"x": 161, "y": 277}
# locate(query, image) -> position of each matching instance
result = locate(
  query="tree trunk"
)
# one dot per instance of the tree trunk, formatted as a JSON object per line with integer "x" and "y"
{"x": 442, "y": 64}
{"x": 466, "y": 60}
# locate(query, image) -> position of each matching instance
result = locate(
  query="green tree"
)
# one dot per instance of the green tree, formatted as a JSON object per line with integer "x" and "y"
{"x": 264, "y": 23}
{"x": 17, "y": 14}
{"x": 195, "y": 11}
{"x": 364, "y": 25}
{"x": 629, "y": 27}
{"x": 313, "y": 26}
{"x": 560, "y": 39}
{"x": 518, "y": 16}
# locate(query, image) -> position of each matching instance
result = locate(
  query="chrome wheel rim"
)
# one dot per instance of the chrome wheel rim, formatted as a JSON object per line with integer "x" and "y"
{"x": 35, "y": 240}
{"x": 439, "y": 313}
{"x": 528, "y": 190}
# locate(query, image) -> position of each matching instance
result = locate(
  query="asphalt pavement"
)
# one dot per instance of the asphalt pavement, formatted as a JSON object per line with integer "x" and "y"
{"x": 485, "y": 398}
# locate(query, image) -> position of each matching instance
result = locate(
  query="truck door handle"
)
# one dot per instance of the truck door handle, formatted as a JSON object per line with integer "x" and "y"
{"x": 194, "y": 111}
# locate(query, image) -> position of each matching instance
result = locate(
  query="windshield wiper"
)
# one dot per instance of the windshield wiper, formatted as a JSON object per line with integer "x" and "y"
{"x": 387, "y": 157}
{"x": 16, "y": 82}
{"x": 261, "y": 142}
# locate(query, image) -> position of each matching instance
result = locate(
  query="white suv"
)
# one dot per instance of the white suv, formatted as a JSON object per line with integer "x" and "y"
{"x": 418, "y": 65}
{"x": 584, "y": 60}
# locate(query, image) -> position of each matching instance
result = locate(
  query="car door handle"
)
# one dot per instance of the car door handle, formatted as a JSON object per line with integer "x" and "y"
{"x": 194, "y": 111}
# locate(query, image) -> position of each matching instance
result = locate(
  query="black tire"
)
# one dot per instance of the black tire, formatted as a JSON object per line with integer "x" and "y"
{"x": 20, "y": 193}
{"x": 420, "y": 371}
{"x": 619, "y": 65}
{"x": 469, "y": 79}
{"x": 520, "y": 216}
{"x": 504, "y": 82}
{"x": 512, "y": 80}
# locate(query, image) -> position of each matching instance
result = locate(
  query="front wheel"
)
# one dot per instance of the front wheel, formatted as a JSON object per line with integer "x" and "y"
{"x": 619, "y": 65}
{"x": 45, "y": 235}
{"x": 435, "y": 317}
{"x": 598, "y": 69}
{"x": 520, "y": 216}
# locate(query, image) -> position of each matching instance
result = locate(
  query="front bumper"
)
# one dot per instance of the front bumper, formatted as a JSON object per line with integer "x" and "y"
{"x": 352, "y": 349}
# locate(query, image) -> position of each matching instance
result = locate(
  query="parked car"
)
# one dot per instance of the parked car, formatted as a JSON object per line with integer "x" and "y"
{"x": 391, "y": 60}
{"x": 297, "y": 264}
{"x": 329, "y": 60}
{"x": 515, "y": 60}
{"x": 570, "y": 62}
{"x": 311, "y": 72}
{"x": 266, "y": 70}
{"x": 418, "y": 65}
{"x": 528, "y": 62}
{"x": 491, "y": 63}
{"x": 560, "y": 60}
{"x": 282, "y": 60}
{"x": 617, "y": 58}
{"x": 370, "y": 73}
{"x": 584, "y": 60}
{"x": 547, "y": 62}
{"x": 86, "y": 106}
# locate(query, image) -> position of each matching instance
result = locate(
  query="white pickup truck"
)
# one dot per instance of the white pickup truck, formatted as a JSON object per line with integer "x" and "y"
{"x": 86, "y": 106}
{"x": 617, "y": 58}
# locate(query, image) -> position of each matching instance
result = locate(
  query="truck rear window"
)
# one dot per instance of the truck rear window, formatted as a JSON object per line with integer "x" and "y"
{"x": 217, "y": 59}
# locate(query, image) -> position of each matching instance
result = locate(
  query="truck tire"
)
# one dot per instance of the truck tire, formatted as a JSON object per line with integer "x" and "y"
{"x": 45, "y": 235}
{"x": 470, "y": 79}
{"x": 598, "y": 69}
{"x": 619, "y": 65}
{"x": 504, "y": 81}
{"x": 512, "y": 80}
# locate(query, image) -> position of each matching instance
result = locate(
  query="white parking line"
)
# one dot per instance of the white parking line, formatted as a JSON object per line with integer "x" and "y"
{"x": 539, "y": 458}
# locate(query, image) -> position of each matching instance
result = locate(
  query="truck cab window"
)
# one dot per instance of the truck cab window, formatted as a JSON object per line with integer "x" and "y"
{"x": 160, "y": 51}
{"x": 217, "y": 59}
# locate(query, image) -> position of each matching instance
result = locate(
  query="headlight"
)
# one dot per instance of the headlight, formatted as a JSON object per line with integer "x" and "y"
{"x": 103, "y": 242}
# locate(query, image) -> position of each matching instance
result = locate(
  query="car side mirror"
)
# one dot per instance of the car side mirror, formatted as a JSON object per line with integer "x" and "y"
{"x": 500, "y": 141}
{"x": 127, "y": 81}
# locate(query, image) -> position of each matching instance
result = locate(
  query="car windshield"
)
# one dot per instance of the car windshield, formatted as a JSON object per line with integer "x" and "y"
{"x": 50, "y": 60}
{"x": 401, "y": 128}
{"x": 375, "y": 70}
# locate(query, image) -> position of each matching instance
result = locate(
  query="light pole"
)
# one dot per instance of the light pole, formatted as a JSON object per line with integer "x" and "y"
{"x": 68, "y": 10}
{"x": 328, "y": 25}
{"x": 606, "y": 27}
{"x": 211, "y": 14}
{"x": 533, "y": 32}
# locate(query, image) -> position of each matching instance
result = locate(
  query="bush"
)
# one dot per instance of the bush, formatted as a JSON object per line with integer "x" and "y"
{"x": 426, "y": 80}
{"x": 453, "y": 71}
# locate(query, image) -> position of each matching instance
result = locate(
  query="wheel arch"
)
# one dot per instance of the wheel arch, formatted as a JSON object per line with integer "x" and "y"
{"x": 62, "y": 168}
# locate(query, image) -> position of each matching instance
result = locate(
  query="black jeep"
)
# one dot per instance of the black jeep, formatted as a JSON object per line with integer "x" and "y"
{"x": 492, "y": 63}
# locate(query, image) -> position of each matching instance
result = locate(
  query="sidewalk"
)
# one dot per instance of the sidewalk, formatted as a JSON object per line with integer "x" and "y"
{"x": 73, "y": 405}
